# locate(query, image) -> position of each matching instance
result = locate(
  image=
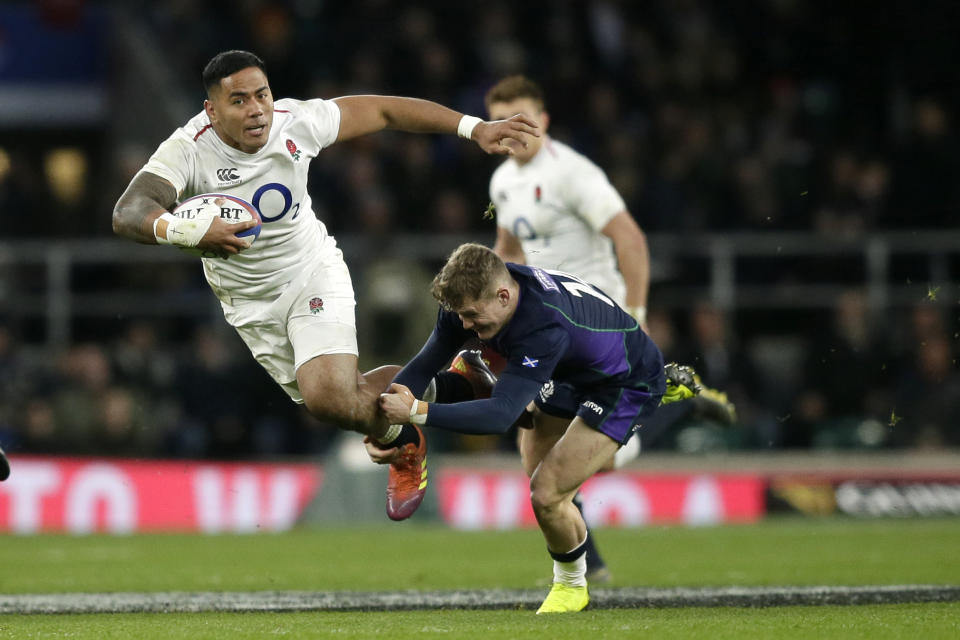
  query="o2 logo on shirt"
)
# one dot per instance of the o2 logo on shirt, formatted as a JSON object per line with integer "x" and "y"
{"x": 287, "y": 202}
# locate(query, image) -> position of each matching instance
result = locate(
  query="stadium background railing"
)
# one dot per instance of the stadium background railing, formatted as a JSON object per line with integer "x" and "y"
{"x": 55, "y": 282}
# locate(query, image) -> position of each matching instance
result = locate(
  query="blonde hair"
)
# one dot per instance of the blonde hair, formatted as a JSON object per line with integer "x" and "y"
{"x": 513, "y": 88}
{"x": 471, "y": 273}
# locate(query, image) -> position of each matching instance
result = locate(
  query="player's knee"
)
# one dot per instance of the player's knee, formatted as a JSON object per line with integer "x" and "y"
{"x": 319, "y": 406}
{"x": 330, "y": 386}
{"x": 544, "y": 497}
{"x": 332, "y": 407}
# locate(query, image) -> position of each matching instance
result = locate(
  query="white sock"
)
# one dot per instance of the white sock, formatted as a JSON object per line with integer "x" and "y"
{"x": 572, "y": 574}
{"x": 627, "y": 453}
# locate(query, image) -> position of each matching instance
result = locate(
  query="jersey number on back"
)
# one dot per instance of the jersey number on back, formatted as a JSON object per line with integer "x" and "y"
{"x": 576, "y": 286}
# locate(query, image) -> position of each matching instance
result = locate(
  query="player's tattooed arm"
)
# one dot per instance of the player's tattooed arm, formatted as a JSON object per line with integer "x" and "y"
{"x": 147, "y": 197}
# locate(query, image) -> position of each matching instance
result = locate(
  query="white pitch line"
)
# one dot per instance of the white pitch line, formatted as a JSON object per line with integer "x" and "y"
{"x": 600, "y": 598}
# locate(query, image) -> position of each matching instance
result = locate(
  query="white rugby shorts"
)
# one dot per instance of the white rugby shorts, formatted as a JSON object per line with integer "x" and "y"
{"x": 314, "y": 316}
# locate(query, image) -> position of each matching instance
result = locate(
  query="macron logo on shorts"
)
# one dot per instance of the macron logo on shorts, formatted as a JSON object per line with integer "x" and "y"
{"x": 593, "y": 406}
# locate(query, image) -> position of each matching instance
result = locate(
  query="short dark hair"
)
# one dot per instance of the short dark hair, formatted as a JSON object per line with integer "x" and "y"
{"x": 227, "y": 63}
{"x": 513, "y": 88}
{"x": 470, "y": 274}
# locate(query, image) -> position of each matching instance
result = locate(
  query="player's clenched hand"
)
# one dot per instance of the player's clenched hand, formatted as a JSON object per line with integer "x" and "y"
{"x": 396, "y": 404}
{"x": 221, "y": 237}
{"x": 378, "y": 455}
{"x": 493, "y": 136}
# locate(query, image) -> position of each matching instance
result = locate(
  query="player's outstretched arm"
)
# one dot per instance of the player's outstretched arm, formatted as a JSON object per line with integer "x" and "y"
{"x": 360, "y": 115}
{"x": 493, "y": 415}
{"x": 490, "y": 135}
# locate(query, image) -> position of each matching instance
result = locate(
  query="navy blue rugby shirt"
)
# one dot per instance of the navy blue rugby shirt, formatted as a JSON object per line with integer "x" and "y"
{"x": 563, "y": 329}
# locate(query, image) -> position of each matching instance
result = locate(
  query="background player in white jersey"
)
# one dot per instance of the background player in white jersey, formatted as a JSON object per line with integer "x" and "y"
{"x": 556, "y": 209}
{"x": 289, "y": 296}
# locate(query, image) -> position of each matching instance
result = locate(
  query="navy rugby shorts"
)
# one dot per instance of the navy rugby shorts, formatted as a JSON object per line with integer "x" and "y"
{"x": 614, "y": 411}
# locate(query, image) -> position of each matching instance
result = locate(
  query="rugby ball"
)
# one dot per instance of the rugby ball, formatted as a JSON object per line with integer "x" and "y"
{"x": 230, "y": 209}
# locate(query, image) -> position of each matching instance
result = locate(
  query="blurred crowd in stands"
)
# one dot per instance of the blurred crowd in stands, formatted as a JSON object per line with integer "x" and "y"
{"x": 708, "y": 117}
{"x": 767, "y": 114}
{"x": 137, "y": 395}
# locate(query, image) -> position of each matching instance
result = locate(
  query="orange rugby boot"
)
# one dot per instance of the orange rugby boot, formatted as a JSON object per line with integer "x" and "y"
{"x": 408, "y": 479}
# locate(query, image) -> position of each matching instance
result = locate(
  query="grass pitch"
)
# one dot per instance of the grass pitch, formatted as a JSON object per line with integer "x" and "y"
{"x": 908, "y": 621}
{"x": 407, "y": 556}
{"x": 790, "y": 552}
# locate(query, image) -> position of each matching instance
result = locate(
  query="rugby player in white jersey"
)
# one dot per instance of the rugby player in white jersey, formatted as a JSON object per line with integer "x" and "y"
{"x": 556, "y": 209}
{"x": 289, "y": 296}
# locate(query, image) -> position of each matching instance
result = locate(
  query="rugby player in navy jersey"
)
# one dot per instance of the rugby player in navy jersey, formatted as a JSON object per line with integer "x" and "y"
{"x": 556, "y": 209}
{"x": 591, "y": 371}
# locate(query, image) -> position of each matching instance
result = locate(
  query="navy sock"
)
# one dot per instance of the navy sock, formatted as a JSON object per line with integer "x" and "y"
{"x": 594, "y": 561}
{"x": 570, "y": 556}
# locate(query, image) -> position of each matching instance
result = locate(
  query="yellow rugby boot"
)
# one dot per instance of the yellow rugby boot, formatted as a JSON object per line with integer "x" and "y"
{"x": 564, "y": 599}
{"x": 681, "y": 383}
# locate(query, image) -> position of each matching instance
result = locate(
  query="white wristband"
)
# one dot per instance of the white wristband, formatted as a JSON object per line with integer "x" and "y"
{"x": 466, "y": 126}
{"x": 183, "y": 232}
{"x": 170, "y": 219}
{"x": 639, "y": 313}
{"x": 417, "y": 418}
